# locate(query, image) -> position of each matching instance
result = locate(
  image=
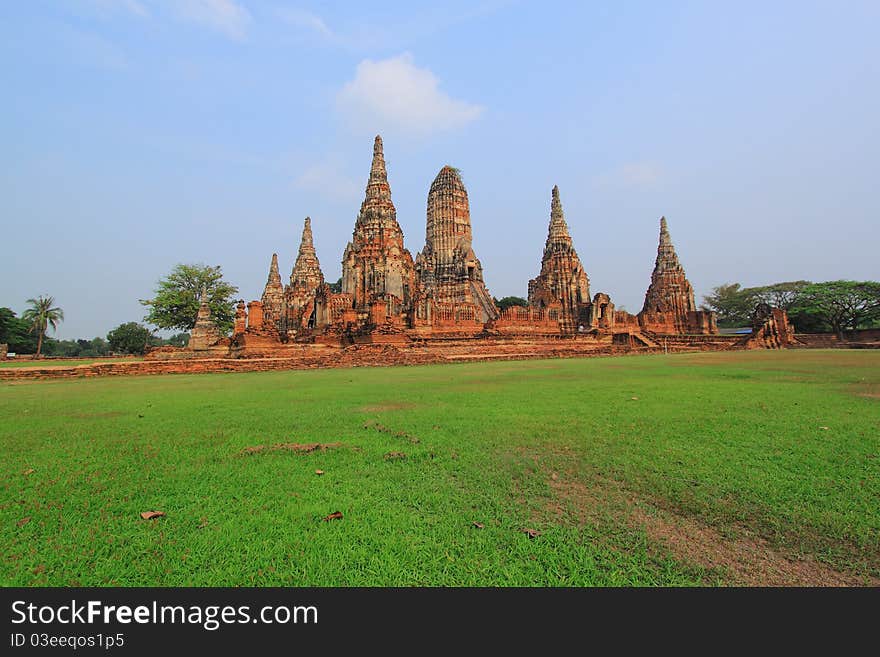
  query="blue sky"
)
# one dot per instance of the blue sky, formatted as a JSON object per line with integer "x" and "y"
{"x": 137, "y": 134}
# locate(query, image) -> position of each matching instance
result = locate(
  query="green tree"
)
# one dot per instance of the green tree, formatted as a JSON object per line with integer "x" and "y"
{"x": 731, "y": 303}
{"x": 130, "y": 338}
{"x": 178, "y": 296}
{"x": 507, "y": 302}
{"x": 336, "y": 288}
{"x": 842, "y": 304}
{"x": 14, "y": 332}
{"x": 41, "y": 314}
{"x": 99, "y": 346}
{"x": 779, "y": 295}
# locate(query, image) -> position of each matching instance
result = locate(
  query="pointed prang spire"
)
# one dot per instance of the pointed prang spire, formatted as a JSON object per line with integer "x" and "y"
{"x": 378, "y": 172}
{"x": 307, "y": 236}
{"x": 664, "y": 233}
{"x": 666, "y": 256}
{"x": 274, "y": 276}
{"x": 378, "y": 190}
{"x": 557, "y": 235}
{"x": 306, "y": 270}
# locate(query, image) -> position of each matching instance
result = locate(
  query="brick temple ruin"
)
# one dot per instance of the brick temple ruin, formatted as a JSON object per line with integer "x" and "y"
{"x": 438, "y": 302}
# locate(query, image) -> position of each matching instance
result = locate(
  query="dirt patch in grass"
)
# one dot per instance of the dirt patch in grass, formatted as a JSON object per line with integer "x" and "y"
{"x": 381, "y": 428}
{"x": 299, "y": 448}
{"x": 747, "y": 558}
{"x": 866, "y": 390}
{"x": 387, "y": 406}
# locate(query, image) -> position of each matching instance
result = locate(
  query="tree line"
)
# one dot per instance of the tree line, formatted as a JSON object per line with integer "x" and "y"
{"x": 812, "y": 307}
{"x": 27, "y": 335}
{"x": 832, "y": 306}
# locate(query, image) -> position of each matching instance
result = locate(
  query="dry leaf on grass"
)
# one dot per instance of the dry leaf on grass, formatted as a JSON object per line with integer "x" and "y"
{"x": 391, "y": 456}
{"x": 23, "y": 521}
{"x": 634, "y": 398}
{"x": 28, "y": 471}
{"x": 203, "y": 522}
{"x": 532, "y": 533}
{"x": 824, "y": 428}
{"x": 336, "y": 515}
{"x": 478, "y": 525}
{"x": 319, "y": 472}
{"x": 150, "y": 515}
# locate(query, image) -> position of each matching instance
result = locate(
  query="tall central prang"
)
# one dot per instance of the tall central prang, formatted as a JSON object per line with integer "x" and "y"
{"x": 375, "y": 265}
{"x": 448, "y": 268}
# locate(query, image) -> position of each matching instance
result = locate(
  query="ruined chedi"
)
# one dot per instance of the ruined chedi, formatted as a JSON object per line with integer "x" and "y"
{"x": 670, "y": 292}
{"x": 273, "y": 297}
{"x": 562, "y": 279}
{"x": 448, "y": 268}
{"x": 205, "y": 332}
{"x": 375, "y": 266}
{"x": 306, "y": 279}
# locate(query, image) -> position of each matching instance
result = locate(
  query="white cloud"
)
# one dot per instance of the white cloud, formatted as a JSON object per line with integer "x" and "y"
{"x": 226, "y": 16}
{"x": 395, "y": 95}
{"x": 634, "y": 174}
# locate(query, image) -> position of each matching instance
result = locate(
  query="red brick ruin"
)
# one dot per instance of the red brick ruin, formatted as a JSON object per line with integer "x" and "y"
{"x": 438, "y": 306}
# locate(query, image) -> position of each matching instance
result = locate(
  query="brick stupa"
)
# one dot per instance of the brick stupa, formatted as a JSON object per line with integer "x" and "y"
{"x": 376, "y": 268}
{"x": 562, "y": 279}
{"x": 305, "y": 280}
{"x": 273, "y": 297}
{"x": 670, "y": 292}
{"x": 448, "y": 268}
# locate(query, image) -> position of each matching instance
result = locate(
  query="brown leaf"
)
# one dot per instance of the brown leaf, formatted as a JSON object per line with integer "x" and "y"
{"x": 390, "y": 456}
{"x": 532, "y": 533}
{"x": 40, "y": 569}
{"x": 336, "y": 515}
{"x": 23, "y": 521}
{"x": 28, "y": 471}
{"x": 319, "y": 472}
{"x": 150, "y": 515}
{"x": 824, "y": 428}
{"x": 203, "y": 522}
{"x": 478, "y": 525}
{"x": 634, "y": 398}
{"x": 554, "y": 476}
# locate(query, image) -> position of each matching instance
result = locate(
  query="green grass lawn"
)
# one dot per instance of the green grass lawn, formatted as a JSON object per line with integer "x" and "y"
{"x": 52, "y": 362}
{"x": 643, "y": 470}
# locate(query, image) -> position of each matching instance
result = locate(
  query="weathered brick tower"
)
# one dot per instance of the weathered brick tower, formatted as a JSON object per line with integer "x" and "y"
{"x": 562, "y": 279}
{"x": 305, "y": 280}
{"x": 448, "y": 269}
{"x": 273, "y": 297}
{"x": 375, "y": 266}
{"x": 670, "y": 291}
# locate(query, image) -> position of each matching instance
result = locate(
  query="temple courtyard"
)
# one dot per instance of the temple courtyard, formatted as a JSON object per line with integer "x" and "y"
{"x": 715, "y": 468}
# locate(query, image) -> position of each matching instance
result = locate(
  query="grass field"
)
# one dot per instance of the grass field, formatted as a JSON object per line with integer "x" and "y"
{"x": 727, "y": 468}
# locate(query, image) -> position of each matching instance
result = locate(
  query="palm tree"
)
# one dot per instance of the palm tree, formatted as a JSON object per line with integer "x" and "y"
{"x": 41, "y": 314}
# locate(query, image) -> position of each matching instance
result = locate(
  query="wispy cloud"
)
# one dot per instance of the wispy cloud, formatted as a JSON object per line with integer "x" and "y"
{"x": 396, "y": 95}
{"x": 225, "y": 16}
{"x": 633, "y": 174}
